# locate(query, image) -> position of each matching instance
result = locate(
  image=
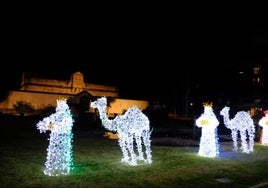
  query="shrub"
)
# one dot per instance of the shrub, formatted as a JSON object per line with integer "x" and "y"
{"x": 22, "y": 107}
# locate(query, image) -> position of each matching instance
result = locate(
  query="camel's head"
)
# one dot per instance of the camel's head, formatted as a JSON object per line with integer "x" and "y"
{"x": 225, "y": 110}
{"x": 99, "y": 103}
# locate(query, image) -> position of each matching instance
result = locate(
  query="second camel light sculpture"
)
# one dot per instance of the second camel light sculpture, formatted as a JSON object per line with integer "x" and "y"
{"x": 133, "y": 127}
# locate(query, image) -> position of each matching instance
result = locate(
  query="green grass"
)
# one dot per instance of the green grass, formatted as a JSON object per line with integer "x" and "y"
{"x": 97, "y": 163}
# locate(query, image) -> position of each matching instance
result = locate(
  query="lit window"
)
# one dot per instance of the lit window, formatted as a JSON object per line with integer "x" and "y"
{"x": 256, "y": 70}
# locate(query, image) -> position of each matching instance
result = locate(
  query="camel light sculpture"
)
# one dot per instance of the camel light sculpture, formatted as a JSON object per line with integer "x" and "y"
{"x": 133, "y": 127}
{"x": 208, "y": 121}
{"x": 264, "y": 124}
{"x": 242, "y": 123}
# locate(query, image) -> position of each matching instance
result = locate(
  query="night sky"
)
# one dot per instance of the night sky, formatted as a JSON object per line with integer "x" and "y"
{"x": 151, "y": 59}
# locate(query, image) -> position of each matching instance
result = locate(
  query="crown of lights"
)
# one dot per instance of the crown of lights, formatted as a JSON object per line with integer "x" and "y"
{"x": 62, "y": 99}
{"x": 208, "y": 104}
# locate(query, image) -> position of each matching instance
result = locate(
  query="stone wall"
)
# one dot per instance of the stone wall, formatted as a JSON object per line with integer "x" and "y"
{"x": 40, "y": 93}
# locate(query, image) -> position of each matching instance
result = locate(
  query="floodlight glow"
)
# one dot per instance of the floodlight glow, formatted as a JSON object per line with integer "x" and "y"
{"x": 59, "y": 159}
{"x": 242, "y": 123}
{"x": 132, "y": 128}
{"x": 264, "y": 124}
{"x": 208, "y": 121}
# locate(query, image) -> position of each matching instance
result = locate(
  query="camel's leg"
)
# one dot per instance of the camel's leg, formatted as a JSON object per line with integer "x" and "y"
{"x": 122, "y": 144}
{"x": 147, "y": 145}
{"x": 139, "y": 147}
{"x": 244, "y": 144}
{"x": 129, "y": 141}
{"x": 234, "y": 137}
{"x": 251, "y": 134}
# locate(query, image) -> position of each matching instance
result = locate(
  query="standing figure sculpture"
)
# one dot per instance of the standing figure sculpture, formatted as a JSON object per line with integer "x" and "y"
{"x": 59, "y": 153}
{"x": 133, "y": 127}
{"x": 242, "y": 123}
{"x": 208, "y": 121}
{"x": 264, "y": 124}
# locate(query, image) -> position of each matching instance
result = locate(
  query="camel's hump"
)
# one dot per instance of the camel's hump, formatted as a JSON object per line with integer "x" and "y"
{"x": 133, "y": 109}
{"x": 242, "y": 115}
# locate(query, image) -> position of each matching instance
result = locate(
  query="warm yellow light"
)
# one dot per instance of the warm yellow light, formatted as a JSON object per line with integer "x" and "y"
{"x": 61, "y": 99}
{"x": 204, "y": 122}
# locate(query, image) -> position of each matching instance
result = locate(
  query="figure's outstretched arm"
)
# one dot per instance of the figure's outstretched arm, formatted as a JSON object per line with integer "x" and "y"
{"x": 44, "y": 124}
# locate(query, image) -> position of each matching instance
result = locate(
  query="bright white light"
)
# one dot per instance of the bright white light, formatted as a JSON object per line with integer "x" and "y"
{"x": 264, "y": 124}
{"x": 208, "y": 121}
{"x": 59, "y": 153}
{"x": 242, "y": 123}
{"x": 132, "y": 128}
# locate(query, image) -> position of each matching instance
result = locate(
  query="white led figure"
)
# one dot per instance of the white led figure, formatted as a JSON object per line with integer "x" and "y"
{"x": 208, "y": 121}
{"x": 264, "y": 124}
{"x": 59, "y": 159}
{"x": 133, "y": 127}
{"x": 242, "y": 123}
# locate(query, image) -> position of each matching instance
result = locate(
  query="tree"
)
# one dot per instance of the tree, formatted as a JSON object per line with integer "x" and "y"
{"x": 23, "y": 107}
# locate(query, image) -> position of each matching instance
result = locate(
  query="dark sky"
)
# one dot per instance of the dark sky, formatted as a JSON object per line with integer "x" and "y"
{"x": 152, "y": 57}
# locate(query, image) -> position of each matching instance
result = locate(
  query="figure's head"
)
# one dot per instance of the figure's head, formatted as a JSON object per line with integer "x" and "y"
{"x": 265, "y": 112}
{"x": 208, "y": 106}
{"x": 62, "y": 104}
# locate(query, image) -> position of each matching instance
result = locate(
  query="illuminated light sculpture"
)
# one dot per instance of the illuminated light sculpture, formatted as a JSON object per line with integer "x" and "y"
{"x": 208, "y": 121}
{"x": 59, "y": 159}
{"x": 242, "y": 123}
{"x": 264, "y": 124}
{"x": 133, "y": 127}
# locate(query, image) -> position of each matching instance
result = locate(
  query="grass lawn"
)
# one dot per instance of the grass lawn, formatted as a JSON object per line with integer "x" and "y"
{"x": 97, "y": 162}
